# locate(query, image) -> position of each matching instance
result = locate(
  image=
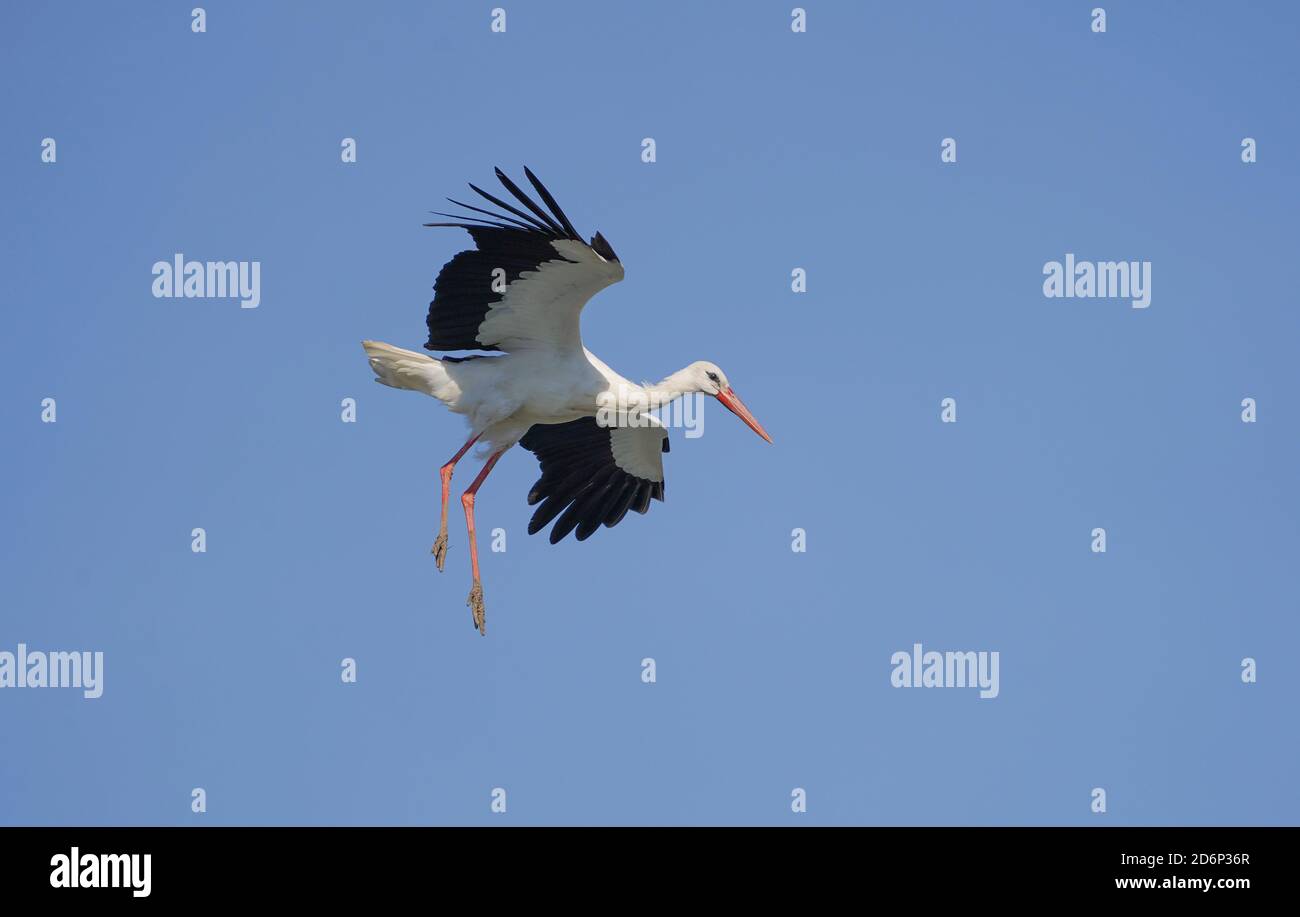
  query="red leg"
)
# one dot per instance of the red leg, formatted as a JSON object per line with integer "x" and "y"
{"x": 467, "y": 501}
{"x": 439, "y": 550}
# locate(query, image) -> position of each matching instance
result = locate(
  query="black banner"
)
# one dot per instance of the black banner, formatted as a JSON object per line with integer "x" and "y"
{"x": 1148, "y": 865}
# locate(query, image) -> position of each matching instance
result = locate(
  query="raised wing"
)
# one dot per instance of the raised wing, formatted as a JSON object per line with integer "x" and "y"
{"x": 592, "y": 475}
{"x": 525, "y": 284}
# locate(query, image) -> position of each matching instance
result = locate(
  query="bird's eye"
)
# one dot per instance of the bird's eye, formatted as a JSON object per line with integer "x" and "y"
{"x": 713, "y": 377}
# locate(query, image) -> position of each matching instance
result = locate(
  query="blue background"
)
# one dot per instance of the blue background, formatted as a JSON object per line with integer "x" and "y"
{"x": 775, "y": 150}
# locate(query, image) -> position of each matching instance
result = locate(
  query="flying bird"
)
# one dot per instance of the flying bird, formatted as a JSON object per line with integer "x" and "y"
{"x": 517, "y": 298}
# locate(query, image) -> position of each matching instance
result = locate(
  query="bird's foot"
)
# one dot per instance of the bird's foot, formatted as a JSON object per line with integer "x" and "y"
{"x": 439, "y": 550}
{"x": 475, "y": 604}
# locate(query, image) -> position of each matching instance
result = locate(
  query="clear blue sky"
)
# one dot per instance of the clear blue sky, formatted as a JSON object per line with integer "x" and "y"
{"x": 775, "y": 150}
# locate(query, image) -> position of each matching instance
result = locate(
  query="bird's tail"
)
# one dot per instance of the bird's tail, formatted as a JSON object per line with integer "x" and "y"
{"x": 407, "y": 369}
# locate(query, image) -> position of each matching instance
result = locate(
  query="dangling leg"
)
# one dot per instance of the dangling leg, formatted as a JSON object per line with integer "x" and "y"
{"x": 439, "y": 549}
{"x": 467, "y": 500}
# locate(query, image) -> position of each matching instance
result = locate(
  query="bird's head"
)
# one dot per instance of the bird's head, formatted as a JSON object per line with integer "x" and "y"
{"x": 709, "y": 379}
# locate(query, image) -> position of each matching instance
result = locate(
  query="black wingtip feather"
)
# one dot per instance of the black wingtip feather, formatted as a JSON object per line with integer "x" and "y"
{"x": 529, "y": 203}
{"x": 642, "y": 502}
{"x": 534, "y": 223}
{"x": 602, "y": 247}
{"x": 496, "y": 216}
{"x": 550, "y": 201}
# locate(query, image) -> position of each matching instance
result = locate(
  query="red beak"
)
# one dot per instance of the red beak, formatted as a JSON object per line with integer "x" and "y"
{"x": 731, "y": 401}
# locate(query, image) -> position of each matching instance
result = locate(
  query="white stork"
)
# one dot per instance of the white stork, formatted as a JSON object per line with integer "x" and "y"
{"x": 521, "y": 292}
